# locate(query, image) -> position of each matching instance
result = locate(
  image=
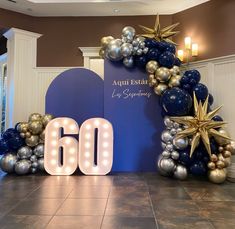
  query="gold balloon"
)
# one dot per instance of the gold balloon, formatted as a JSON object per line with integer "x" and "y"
{"x": 46, "y": 119}
{"x": 160, "y": 88}
{"x": 221, "y": 149}
{"x": 174, "y": 82}
{"x": 227, "y": 161}
{"x": 102, "y": 53}
{"x": 217, "y": 176}
{"x": 105, "y": 41}
{"x": 28, "y": 134}
{"x": 42, "y": 136}
{"x": 175, "y": 70}
{"x": 151, "y": 76}
{"x": 222, "y": 141}
{"x": 214, "y": 158}
{"x": 22, "y": 127}
{"x": 35, "y": 127}
{"x": 35, "y": 117}
{"x": 152, "y": 66}
{"x": 226, "y": 153}
{"x": 232, "y": 143}
{"x": 229, "y": 147}
{"x": 211, "y": 165}
{"x": 220, "y": 164}
{"x": 32, "y": 141}
{"x": 163, "y": 74}
{"x": 152, "y": 82}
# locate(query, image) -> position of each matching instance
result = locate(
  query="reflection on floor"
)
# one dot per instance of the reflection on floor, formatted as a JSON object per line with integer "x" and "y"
{"x": 118, "y": 201}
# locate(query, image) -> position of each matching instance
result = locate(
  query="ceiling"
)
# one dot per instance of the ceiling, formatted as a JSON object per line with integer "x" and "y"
{"x": 98, "y": 7}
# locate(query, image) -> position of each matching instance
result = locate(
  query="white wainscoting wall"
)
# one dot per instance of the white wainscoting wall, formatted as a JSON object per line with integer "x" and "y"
{"x": 30, "y": 83}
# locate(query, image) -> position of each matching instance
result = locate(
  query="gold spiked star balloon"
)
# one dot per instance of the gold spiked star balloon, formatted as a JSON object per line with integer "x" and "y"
{"x": 201, "y": 126}
{"x": 160, "y": 34}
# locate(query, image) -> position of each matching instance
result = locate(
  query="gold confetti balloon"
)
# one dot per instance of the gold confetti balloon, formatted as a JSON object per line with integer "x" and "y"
{"x": 163, "y": 74}
{"x": 160, "y": 88}
{"x": 32, "y": 141}
{"x": 46, "y": 119}
{"x": 22, "y": 127}
{"x": 152, "y": 82}
{"x": 217, "y": 176}
{"x": 35, "y": 127}
{"x": 222, "y": 141}
{"x": 35, "y": 117}
{"x": 151, "y": 66}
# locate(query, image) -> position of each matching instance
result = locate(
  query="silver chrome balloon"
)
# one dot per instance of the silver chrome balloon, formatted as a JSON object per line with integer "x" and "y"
{"x": 33, "y": 170}
{"x": 180, "y": 143}
{"x": 160, "y": 170}
{"x": 166, "y": 154}
{"x": 126, "y": 49}
{"x": 24, "y": 152}
{"x": 163, "y": 144}
{"x": 35, "y": 164}
{"x": 168, "y": 122}
{"x": 22, "y": 167}
{"x": 176, "y": 125}
{"x": 166, "y": 136}
{"x": 180, "y": 172}
{"x": 7, "y": 162}
{"x": 169, "y": 147}
{"x": 128, "y": 32}
{"x": 173, "y": 131}
{"x": 39, "y": 150}
{"x": 139, "y": 52}
{"x": 113, "y": 50}
{"x": 33, "y": 158}
{"x": 167, "y": 165}
{"x": 175, "y": 155}
{"x": 128, "y": 62}
{"x": 41, "y": 164}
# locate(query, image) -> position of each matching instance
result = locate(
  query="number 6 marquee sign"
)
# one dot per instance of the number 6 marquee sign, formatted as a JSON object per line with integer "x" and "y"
{"x": 93, "y": 154}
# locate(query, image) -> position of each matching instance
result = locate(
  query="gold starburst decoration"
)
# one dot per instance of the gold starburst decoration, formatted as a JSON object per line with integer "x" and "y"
{"x": 201, "y": 126}
{"x": 160, "y": 34}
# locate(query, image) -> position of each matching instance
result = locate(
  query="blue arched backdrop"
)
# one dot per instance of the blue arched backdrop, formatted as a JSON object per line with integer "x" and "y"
{"x": 125, "y": 99}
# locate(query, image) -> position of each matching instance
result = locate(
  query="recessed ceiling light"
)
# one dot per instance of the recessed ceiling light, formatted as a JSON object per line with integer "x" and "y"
{"x": 116, "y": 10}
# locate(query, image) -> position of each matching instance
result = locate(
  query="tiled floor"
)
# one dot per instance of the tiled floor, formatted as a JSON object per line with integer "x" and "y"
{"x": 119, "y": 201}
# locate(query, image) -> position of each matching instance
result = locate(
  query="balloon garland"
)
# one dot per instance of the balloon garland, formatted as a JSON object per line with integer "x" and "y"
{"x": 194, "y": 140}
{"x": 22, "y": 147}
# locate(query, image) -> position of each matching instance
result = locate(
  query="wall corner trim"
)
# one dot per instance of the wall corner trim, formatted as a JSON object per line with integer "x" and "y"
{"x": 13, "y": 31}
{"x": 90, "y": 51}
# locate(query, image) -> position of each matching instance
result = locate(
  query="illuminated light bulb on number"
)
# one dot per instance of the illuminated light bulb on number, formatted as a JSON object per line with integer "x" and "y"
{"x": 105, "y": 144}
{"x": 87, "y": 145}
{"x": 96, "y": 168}
{"x": 105, "y": 162}
{"x": 105, "y": 154}
{"x": 87, "y": 135}
{"x": 72, "y": 150}
{"x": 106, "y": 134}
{"x": 56, "y": 124}
{"x": 53, "y": 162}
{"x": 72, "y": 160}
{"x": 72, "y": 127}
{"x": 106, "y": 126}
{"x": 87, "y": 163}
{"x": 58, "y": 169}
{"x": 88, "y": 127}
{"x": 97, "y": 122}
{"x": 87, "y": 154}
{"x": 67, "y": 141}
{"x": 54, "y": 134}
{"x": 54, "y": 143}
{"x": 53, "y": 152}
{"x": 67, "y": 169}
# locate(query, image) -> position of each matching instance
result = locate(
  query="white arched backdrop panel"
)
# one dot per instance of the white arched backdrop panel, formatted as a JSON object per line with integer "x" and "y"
{"x": 30, "y": 83}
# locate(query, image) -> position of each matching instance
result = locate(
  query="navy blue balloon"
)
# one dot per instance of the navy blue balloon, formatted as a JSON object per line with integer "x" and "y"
{"x": 176, "y": 101}
{"x": 211, "y": 99}
{"x": 201, "y": 91}
{"x": 166, "y": 59}
{"x": 153, "y": 54}
{"x": 184, "y": 157}
{"x": 15, "y": 142}
{"x": 193, "y": 74}
{"x": 151, "y": 43}
{"x": 3, "y": 146}
{"x": 192, "y": 82}
{"x": 217, "y": 118}
{"x": 170, "y": 47}
{"x": 177, "y": 62}
{"x": 198, "y": 168}
{"x": 9, "y": 133}
{"x": 184, "y": 80}
{"x": 141, "y": 61}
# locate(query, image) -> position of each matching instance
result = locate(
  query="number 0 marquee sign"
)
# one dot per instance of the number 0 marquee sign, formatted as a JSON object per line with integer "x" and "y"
{"x": 93, "y": 153}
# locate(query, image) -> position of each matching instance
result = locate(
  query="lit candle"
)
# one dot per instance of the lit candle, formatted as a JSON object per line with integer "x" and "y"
{"x": 187, "y": 42}
{"x": 180, "y": 54}
{"x": 194, "y": 49}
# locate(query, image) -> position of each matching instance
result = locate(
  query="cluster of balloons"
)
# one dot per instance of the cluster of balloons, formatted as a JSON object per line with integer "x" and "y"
{"x": 124, "y": 49}
{"x": 22, "y": 147}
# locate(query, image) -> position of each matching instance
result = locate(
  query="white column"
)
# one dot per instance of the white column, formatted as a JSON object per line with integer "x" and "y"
{"x": 21, "y": 62}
